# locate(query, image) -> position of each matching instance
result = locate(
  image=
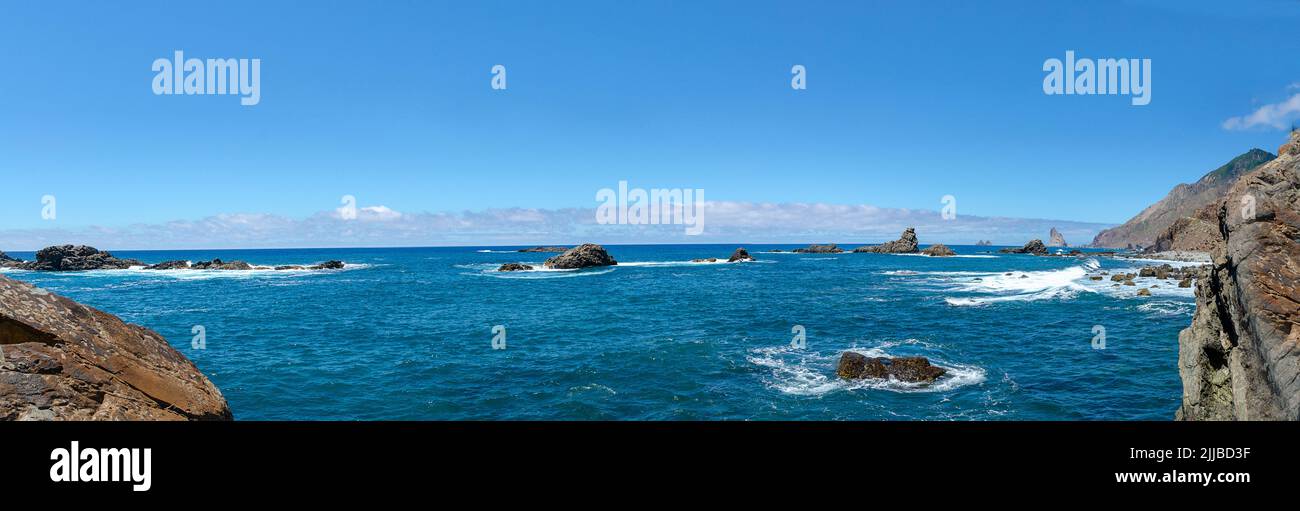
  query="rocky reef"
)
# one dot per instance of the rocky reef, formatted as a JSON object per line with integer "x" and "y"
{"x": 66, "y": 361}
{"x": 1034, "y": 247}
{"x": 856, "y": 366}
{"x": 1239, "y": 359}
{"x": 544, "y": 249}
{"x": 82, "y": 258}
{"x": 740, "y": 255}
{"x": 586, "y": 255}
{"x": 905, "y": 244}
{"x": 830, "y": 248}
{"x": 514, "y": 267}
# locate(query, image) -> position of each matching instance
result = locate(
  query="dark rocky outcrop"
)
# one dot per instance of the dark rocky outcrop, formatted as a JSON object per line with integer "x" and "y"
{"x": 905, "y": 244}
{"x": 65, "y": 361}
{"x": 1239, "y": 358}
{"x": 218, "y": 264}
{"x": 1183, "y": 201}
{"x": 1197, "y": 233}
{"x": 856, "y": 366}
{"x": 329, "y": 265}
{"x": 9, "y": 262}
{"x": 938, "y": 250}
{"x": 1034, "y": 247}
{"x": 740, "y": 255}
{"x": 586, "y": 255}
{"x": 76, "y": 258}
{"x": 705, "y": 260}
{"x": 169, "y": 265}
{"x": 819, "y": 249}
{"x": 1055, "y": 239}
{"x": 544, "y": 249}
{"x": 514, "y": 267}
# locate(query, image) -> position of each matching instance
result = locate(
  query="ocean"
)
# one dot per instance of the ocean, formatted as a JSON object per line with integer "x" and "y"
{"x": 408, "y": 334}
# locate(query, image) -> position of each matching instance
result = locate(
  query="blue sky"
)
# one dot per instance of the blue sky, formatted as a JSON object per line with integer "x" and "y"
{"x": 390, "y": 102}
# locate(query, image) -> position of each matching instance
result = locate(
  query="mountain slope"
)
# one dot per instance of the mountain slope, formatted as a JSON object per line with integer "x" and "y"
{"x": 1183, "y": 201}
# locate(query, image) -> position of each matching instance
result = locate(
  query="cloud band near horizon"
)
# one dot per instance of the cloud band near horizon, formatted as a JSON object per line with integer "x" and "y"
{"x": 724, "y": 222}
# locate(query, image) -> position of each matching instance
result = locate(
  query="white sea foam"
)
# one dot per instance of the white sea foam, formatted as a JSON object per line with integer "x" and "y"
{"x": 257, "y": 271}
{"x": 1022, "y": 286}
{"x": 805, "y": 373}
{"x": 1168, "y": 308}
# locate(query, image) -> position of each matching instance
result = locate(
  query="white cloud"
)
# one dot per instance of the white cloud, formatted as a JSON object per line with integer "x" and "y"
{"x": 1273, "y": 115}
{"x": 724, "y": 222}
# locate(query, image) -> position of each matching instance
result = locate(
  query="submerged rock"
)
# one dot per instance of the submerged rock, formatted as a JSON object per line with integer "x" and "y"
{"x": 169, "y": 265}
{"x": 938, "y": 250}
{"x": 586, "y": 255}
{"x": 514, "y": 267}
{"x": 544, "y": 249}
{"x": 67, "y": 361}
{"x": 905, "y": 244}
{"x": 820, "y": 249}
{"x": 856, "y": 366}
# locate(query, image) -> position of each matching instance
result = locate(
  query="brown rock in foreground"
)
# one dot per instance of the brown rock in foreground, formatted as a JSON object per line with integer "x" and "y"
{"x": 856, "y": 366}
{"x": 1239, "y": 358}
{"x": 66, "y": 361}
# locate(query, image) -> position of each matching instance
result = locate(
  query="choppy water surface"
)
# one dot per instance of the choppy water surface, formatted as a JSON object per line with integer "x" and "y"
{"x": 407, "y": 334}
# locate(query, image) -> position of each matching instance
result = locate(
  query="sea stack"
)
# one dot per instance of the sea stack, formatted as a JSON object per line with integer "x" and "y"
{"x": 66, "y": 361}
{"x": 740, "y": 255}
{"x": 586, "y": 255}
{"x": 1238, "y": 359}
{"x": 1055, "y": 239}
{"x": 938, "y": 250}
{"x": 905, "y": 244}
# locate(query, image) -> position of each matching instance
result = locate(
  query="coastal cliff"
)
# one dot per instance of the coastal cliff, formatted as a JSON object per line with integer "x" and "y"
{"x": 1182, "y": 201}
{"x": 61, "y": 360}
{"x": 1240, "y": 358}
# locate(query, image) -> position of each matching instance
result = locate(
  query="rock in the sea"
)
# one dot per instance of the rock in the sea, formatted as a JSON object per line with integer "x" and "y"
{"x": 1144, "y": 292}
{"x": 905, "y": 244}
{"x": 218, "y": 264}
{"x": 1187, "y": 282}
{"x": 706, "y": 260}
{"x": 855, "y": 366}
{"x": 582, "y": 256}
{"x": 544, "y": 249}
{"x": 938, "y": 250}
{"x": 169, "y": 265}
{"x": 9, "y": 262}
{"x": 76, "y": 258}
{"x": 1055, "y": 239}
{"x": 329, "y": 265}
{"x": 66, "y": 361}
{"x": 740, "y": 255}
{"x": 819, "y": 249}
{"x": 1239, "y": 359}
{"x": 514, "y": 267}
{"x": 1034, "y": 247}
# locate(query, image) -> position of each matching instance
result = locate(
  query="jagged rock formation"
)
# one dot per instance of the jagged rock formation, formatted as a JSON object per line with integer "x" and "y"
{"x": 1183, "y": 201}
{"x": 1197, "y": 233}
{"x": 819, "y": 249}
{"x": 905, "y": 244}
{"x": 1240, "y": 358}
{"x": 65, "y": 361}
{"x": 1034, "y": 247}
{"x": 75, "y": 258}
{"x": 514, "y": 267}
{"x": 582, "y": 256}
{"x": 855, "y": 366}
{"x": 740, "y": 255}
{"x": 1055, "y": 239}
{"x": 938, "y": 250}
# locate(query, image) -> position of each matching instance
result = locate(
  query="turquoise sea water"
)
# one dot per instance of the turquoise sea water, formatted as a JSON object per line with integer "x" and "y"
{"x": 406, "y": 333}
